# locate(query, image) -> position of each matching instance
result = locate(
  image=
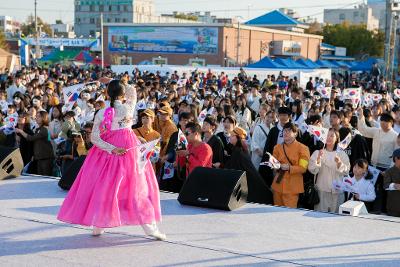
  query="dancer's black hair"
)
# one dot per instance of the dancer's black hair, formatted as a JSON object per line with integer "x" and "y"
{"x": 115, "y": 89}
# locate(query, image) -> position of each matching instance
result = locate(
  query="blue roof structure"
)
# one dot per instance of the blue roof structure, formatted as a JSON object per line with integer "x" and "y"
{"x": 326, "y": 64}
{"x": 289, "y": 63}
{"x": 274, "y": 18}
{"x": 328, "y": 46}
{"x": 308, "y": 63}
{"x": 267, "y": 63}
{"x": 364, "y": 65}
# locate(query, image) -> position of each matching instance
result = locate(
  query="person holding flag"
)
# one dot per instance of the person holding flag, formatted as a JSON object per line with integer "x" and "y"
{"x": 293, "y": 157}
{"x": 327, "y": 165}
{"x": 146, "y": 133}
{"x": 198, "y": 153}
{"x": 384, "y": 142}
{"x": 112, "y": 189}
{"x": 171, "y": 179}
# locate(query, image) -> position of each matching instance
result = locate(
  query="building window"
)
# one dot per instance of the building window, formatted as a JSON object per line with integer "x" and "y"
{"x": 124, "y": 20}
{"x": 197, "y": 62}
{"x": 92, "y": 21}
{"x": 356, "y": 14}
{"x": 91, "y": 8}
{"x": 342, "y": 16}
{"x": 117, "y": 20}
{"x": 109, "y": 8}
{"x": 118, "y": 8}
{"x": 124, "y": 60}
{"x": 125, "y": 8}
{"x": 108, "y": 20}
{"x": 101, "y": 8}
{"x": 160, "y": 60}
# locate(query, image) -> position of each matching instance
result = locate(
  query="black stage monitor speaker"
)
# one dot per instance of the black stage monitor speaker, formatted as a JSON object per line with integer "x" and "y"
{"x": 68, "y": 178}
{"x": 215, "y": 188}
{"x": 11, "y": 164}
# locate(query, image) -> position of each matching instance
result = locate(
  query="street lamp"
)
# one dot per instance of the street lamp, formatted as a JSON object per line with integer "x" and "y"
{"x": 239, "y": 19}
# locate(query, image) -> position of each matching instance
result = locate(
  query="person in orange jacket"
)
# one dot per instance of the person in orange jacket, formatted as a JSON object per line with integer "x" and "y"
{"x": 294, "y": 158}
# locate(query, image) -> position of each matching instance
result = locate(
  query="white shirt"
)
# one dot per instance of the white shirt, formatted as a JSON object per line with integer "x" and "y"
{"x": 365, "y": 188}
{"x": 327, "y": 170}
{"x": 12, "y": 90}
{"x": 123, "y": 119}
{"x": 258, "y": 141}
{"x": 280, "y": 135}
{"x": 396, "y": 128}
{"x": 383, "y": 144}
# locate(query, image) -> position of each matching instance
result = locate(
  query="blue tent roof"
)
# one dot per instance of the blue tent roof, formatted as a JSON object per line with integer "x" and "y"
{"x": 364, "y": 65}
{"x": 267, "y": 63}
{"x": 274, "y": 18}
{"x": 325, "y": 64}
{"x": 308, "y": 63}
{"x": 289, "y": 63}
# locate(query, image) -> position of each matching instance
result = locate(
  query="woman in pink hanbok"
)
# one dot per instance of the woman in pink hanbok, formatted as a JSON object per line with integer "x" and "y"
{"x": 112, "y": 189}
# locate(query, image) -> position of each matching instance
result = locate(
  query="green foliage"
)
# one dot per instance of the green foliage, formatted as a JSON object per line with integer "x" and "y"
{"x": 3, "y": 43}
{"x": 28, "y": 28}
{"x": 356, "y": 38}
{"x": 187, "y": 17}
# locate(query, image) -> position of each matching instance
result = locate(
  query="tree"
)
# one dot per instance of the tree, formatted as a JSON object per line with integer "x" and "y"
{"x": 28, "y": 28}
{"x": 314, "y": 28}
{"x": 3, "y": 42}
{"x": 357, "y": 39}
{"x": 187, "y": 17}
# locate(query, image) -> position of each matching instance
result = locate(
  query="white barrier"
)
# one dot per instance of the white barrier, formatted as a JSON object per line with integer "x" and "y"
{"x": 302, "y": 75}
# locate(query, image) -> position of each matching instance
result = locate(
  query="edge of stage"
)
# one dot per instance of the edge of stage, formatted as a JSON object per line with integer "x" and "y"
{"x": 250, "y": 236}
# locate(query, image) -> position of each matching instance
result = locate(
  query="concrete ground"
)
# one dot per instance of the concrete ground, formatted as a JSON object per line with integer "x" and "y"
{"x": 255, "y": 235}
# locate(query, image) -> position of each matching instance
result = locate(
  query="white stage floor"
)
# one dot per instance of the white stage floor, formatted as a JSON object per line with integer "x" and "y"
{"x": 255, "y": 235}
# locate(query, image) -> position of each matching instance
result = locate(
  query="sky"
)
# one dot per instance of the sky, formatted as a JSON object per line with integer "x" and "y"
{"x": 50, "y": 10}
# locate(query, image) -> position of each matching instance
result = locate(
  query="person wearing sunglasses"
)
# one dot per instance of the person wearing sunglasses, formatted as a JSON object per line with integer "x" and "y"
{"x": 198, "y": 153}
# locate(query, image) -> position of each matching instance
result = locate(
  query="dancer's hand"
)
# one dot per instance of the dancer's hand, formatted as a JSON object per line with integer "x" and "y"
{"x": 119, "y": 151}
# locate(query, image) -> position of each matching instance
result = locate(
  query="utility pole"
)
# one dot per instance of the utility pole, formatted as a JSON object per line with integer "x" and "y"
{"x": 102, "y": 40}
{"x": 388, "y": 31}
{"x": 37, "y": 47}
{"x": 238, "y": 44}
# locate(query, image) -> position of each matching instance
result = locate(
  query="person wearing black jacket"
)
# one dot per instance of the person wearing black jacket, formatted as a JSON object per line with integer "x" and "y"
{"x": 208, "y": 129}
{"x": 175, "y": 183}
{"x": 229, "y": 125}
{"x": 275, "y": 136}
{"x": 43, "y": 153}
{"x": 358, "y": 147}
{"x": 25, "y": 146}
{"x": 313, "y": 144}
{"x": 240, "y": 160}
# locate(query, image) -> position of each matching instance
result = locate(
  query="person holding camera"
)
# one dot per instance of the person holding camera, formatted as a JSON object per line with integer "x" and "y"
{"x": 43, "y": 153}
{"x": 294, "y": 158}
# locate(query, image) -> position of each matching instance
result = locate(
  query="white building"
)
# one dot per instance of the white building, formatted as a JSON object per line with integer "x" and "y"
{"x": 63, "y": 30}
{"x": 87, "y": 14}
{"x": 362, "y": 14}
{"x": 205, "y": 17}
{"x": 9, "y": 25}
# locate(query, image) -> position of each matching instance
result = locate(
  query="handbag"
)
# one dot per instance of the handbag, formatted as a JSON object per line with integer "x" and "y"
{"x": 311, "y": 196}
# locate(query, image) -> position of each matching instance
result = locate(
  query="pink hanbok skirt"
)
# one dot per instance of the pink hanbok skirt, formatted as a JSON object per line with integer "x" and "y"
{"x": 112, "y": 190}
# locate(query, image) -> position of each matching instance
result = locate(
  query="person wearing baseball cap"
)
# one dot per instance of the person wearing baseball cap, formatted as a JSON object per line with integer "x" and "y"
{"x": 167, "y": 127}
{"x": 146, "y": 133}
{"x": 258, "y": 191}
